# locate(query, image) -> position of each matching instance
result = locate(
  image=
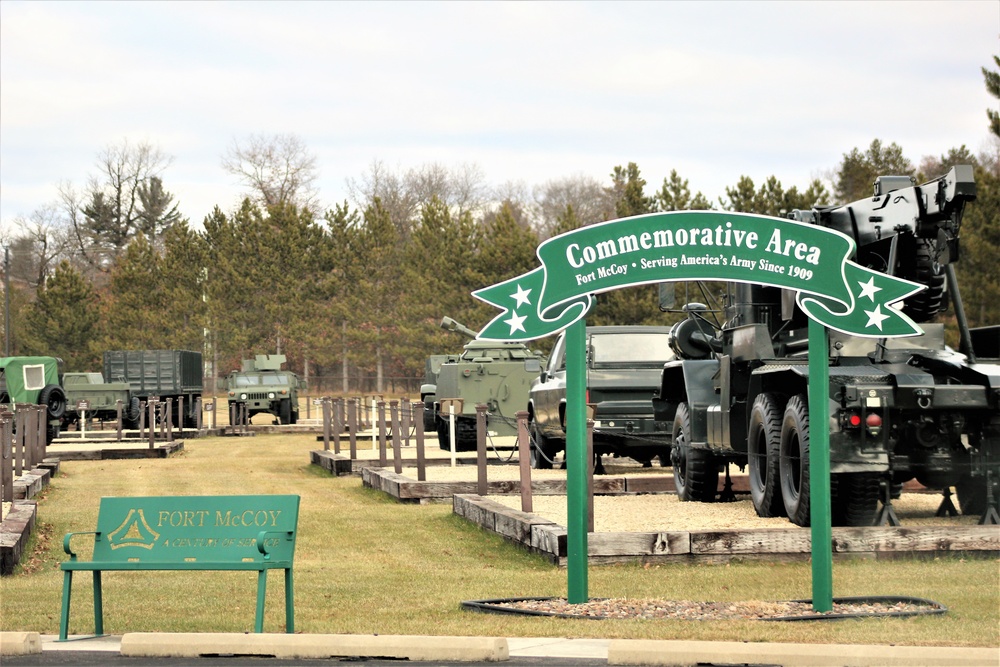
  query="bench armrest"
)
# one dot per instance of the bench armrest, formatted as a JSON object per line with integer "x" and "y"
{"x": 69, "y": 536}
{"x": 288, "y": 534}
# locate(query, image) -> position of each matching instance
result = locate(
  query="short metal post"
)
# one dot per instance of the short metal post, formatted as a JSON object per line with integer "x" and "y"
{"x": 118, "y": 410}
{"x": 180, "y": 418}
{"x": 480, "y": 448}
{"x": 352, "y": 426}
{"x": 338, "y": 425}
{"x": 590, "y": 476}
{"x": 451, "y": 431}
{"x": 325, "y": 402}
{"x": 142, "y": 418}
{"x": 397, "y": 460}
{"x": 405, "y": 420}
{"x": 215, "y": 409}
{"x": 20, "y": 417}
{"x": 198, "y": 413}
{"x": 170, "y": 419}
{"x": 381, "y": 433}
{"x": 418, "y": 421}
{"x": 524, "y": 459}
{"x": 152, "y": 423}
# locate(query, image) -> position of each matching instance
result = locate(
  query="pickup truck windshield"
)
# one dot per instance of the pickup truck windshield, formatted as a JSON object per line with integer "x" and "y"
{"x": 630, "y": 348}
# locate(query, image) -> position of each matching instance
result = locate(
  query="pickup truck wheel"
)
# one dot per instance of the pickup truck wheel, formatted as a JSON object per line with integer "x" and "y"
{"x": 794, "y": 464}
{"x": 53, "y": 398}
{"x": 539, "y": 448}
{"x": 696, "y": 475}
{"x": 763, "y": 449}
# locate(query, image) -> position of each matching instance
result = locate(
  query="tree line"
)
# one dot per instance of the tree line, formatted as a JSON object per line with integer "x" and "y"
{"x": 359, "y": 290}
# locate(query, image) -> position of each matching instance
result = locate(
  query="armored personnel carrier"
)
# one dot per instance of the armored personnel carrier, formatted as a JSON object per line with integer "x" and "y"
{"x": 498, "y": 375}
{"x": 261, "y": 386}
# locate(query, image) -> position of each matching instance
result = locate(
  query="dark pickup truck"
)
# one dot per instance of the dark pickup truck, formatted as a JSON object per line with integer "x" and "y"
{"x": 623, "y": 372}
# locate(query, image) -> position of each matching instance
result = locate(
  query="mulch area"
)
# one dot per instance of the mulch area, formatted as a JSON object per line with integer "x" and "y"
{"x": 621, "y": 608}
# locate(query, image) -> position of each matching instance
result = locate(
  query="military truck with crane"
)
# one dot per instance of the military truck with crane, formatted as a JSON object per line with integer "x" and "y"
{"x": 900, "y": 409}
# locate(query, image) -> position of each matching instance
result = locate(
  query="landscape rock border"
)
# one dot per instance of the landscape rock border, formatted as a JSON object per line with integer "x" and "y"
{"x": 790, "y": 610}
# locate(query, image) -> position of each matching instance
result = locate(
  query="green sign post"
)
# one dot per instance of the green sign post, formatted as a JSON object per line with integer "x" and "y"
{"x": 699, "y": 245}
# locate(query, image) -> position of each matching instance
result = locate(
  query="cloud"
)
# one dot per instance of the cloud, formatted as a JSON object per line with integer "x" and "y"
{"x": 529, "y": 91}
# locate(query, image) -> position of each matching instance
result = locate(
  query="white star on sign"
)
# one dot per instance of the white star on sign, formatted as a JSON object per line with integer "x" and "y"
{"x": 868, "y": 289}
{"x": 520, "y": 296}
{"x": 516, "y": 322}
{"x": 875, "y": 317}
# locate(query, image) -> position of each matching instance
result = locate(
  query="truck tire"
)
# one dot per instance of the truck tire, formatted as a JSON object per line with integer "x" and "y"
{"x": 794, "y": 464}
{"x": 971, "y": 493}
{"x": 53, "y": 398}
{"x": 285, "y": 411}
{"x": 429, "y": 417}
{"x": 926, "y": 304}
{"x": 764, "y": 453}
{"x": 540, "y": 448}
{"x": 130, "y": 416}
{"x": 444, "y": 437}
{"x": 854, "y": 498}
{"x": 696, "y": 474}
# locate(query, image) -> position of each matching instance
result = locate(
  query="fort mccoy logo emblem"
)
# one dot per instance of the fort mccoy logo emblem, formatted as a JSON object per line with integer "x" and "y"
{"x": 699, "y": 245}
{"x": 134, "y": 531}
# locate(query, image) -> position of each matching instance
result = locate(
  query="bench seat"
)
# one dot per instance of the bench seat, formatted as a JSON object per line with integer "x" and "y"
{"x": 188, "y": 533}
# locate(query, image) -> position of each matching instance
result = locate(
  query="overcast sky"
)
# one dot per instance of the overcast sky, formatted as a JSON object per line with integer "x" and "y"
{"x": 528, "y": 91}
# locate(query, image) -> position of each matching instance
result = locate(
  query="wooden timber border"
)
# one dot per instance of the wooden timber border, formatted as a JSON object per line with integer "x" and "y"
{"x": 405, "y": 489}
{"x": 548, "y": 538}
{"x": 160, "y": 451}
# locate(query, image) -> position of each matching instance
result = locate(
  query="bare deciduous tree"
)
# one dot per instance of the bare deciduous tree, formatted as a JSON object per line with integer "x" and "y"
{"x": 589, "y": 199}
{"x": 112, "y": 209}
{"x": 277, "y": 169}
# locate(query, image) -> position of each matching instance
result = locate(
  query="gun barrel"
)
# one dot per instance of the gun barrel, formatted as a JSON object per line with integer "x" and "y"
{"x": 449, "y": 324}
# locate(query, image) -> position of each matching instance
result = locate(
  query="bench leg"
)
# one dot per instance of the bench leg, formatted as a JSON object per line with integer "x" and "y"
{"x": 64, "y": 615}
{"x": 98, "y": 605}
{"x": 289, "y": 602}
{"x": 258, "y": 625}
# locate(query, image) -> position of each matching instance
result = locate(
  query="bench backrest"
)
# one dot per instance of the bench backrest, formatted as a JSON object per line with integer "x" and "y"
{"x": 210, "y": 530}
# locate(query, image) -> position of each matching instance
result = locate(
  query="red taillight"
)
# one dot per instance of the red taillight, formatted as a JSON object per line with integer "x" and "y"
{"x": 873, "y": 420}
{"x": 854, "y": 420}
{"x": 588, "y": 397}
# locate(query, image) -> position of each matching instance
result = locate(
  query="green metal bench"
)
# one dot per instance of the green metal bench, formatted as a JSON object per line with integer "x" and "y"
{"x": 242, "y": 533}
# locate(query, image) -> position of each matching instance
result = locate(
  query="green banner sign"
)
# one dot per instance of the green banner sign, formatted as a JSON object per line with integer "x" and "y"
{"x": 699, "y": 245}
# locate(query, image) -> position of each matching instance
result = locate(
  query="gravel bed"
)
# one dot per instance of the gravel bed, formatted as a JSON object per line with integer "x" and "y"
{"x": 621, "y": 608}
{"x": 663, "y": 512}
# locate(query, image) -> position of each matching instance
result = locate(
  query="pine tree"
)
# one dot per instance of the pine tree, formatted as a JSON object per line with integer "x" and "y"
{"x": 63, "y": 321}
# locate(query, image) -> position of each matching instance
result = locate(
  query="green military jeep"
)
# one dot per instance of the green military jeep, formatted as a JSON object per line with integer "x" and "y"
{"x": 34, "y": 380}
{"x": 261, "y": 386}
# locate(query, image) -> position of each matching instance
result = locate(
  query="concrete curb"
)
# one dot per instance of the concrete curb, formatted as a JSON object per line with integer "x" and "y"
{"x": 655, "y": 652}
{"x": 408, "y": 647}
{"x": 20, "y": 643}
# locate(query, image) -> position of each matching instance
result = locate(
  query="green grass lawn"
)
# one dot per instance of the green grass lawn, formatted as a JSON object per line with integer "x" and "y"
{"x": 366, "y": 564}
